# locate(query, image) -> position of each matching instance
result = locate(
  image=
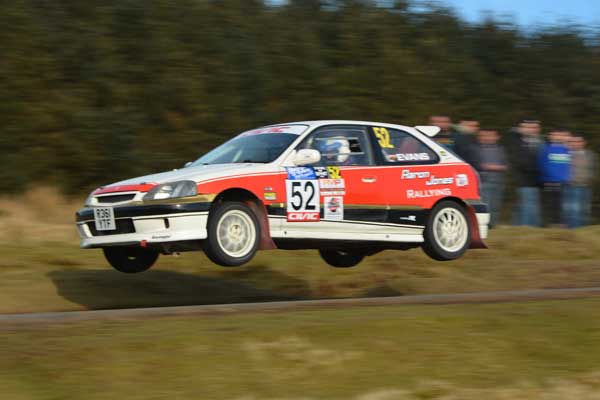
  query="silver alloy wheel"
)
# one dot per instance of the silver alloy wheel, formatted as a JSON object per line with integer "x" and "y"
{"x": 450, "y": 229}
{"x": 236, "y": 233}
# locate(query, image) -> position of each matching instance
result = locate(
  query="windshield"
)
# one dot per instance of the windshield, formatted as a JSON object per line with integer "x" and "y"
{"x": 250, "y": 147}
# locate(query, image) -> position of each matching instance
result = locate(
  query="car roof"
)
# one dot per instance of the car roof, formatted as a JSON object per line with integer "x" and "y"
{"x": 318, "y": 123}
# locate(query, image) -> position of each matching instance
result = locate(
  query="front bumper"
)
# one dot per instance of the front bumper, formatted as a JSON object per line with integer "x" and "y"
{"x": 151, "y": 224}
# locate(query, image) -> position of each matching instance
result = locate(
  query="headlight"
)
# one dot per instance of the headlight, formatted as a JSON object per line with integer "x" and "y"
{"x": 172, "y": 190}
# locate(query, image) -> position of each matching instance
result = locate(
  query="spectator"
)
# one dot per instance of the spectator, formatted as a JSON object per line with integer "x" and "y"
{"x": 554, "y": 163}
{"x": 492, "y": 167}
{"x": 459, "y": 139}
{"x": 446, "y": 136}
{"x": 525, "y": 146}
{"x": 468, "y": 129}
{"x": 578, "y": 196}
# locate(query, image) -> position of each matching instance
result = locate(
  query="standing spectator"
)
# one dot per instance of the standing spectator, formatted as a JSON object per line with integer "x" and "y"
{"x": 446, "y": 137}
{"x": 459, "y": 139}
{"x": 554, "y": 163}
{"x": 525, "y": 146}
{"x": 492, "y": 167}
{"x": 578, "y": 196}
{"x": 468, "y": 129}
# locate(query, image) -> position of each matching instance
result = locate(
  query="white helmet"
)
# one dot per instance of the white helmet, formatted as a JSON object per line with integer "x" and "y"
{"x": 335, "y": 149}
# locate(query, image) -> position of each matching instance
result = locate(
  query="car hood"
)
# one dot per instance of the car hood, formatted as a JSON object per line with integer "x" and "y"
{"x": 197, "y": 174}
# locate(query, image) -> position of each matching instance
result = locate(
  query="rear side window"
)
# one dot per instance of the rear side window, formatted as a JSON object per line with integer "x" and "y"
{"x": 341, "y": 145}
{"x": 399, "y": 147}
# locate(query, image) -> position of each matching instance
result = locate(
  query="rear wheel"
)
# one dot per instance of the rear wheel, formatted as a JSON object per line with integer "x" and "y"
{"x": 130, "y": 260}
{"x": 448, "y": 232}
{"x": 233, "y": 234}
{"x": 341, "y": 259}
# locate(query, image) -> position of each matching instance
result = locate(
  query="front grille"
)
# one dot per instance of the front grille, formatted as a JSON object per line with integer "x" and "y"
{"x": 115, "y": 198}
{"x": 123, "y": 226}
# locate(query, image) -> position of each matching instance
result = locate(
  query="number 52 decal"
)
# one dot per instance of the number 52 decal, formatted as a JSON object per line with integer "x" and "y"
{"x": 303, "y": 200}
{"x": 383, "y": 136}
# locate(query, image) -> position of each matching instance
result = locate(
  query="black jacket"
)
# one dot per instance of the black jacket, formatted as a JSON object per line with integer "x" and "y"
{"x": 524, "y": 156}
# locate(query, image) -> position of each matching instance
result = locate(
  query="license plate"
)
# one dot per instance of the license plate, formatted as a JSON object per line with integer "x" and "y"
{"x": 104, "y": 218}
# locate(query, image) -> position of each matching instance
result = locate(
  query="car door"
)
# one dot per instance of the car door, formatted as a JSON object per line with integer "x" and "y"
{"x": 347, "y": 183}
{"x": 412, "y": 174}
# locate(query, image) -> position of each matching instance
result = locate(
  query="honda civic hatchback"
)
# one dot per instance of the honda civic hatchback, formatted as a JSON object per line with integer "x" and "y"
{"x": 349, "y": 189}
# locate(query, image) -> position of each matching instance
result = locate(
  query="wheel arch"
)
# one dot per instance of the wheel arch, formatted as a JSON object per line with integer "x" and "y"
{"x": 256, "y": 205}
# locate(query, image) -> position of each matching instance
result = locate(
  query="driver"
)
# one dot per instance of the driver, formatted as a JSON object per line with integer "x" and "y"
{"x": 334, "y": 150}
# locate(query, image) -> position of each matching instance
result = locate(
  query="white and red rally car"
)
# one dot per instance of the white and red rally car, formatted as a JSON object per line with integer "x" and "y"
{"x": 349, "y": 189}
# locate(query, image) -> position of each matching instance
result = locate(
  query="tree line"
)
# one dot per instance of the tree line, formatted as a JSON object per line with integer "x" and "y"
{"x": 95, "y": 91}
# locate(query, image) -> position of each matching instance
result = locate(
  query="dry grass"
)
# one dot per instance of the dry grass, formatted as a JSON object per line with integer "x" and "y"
{"x": 43, "y": 269}
{"x": 38, "y": 215}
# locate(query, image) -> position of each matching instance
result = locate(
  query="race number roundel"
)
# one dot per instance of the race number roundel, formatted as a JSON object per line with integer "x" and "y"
{"x": 303, "y": 200}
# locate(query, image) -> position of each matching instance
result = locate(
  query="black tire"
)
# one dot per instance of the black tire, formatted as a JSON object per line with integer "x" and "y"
{"x": 434, "y": 245}
{"x": 340, "y": 259}
{"x": 216, "y": 249}
{"x": 130, "y": 260}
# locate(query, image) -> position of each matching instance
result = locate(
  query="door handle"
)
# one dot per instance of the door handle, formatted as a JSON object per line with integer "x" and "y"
{"x": 369, "y": 179}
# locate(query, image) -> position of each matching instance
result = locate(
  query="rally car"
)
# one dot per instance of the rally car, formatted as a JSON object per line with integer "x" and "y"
{"x": 347, "y": 188}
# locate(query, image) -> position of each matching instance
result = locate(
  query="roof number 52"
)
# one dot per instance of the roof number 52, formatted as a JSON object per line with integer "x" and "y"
{"x": 383, "y": 137}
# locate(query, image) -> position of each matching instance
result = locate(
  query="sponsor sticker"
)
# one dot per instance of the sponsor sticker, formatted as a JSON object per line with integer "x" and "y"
{"x": 292, "y": 129}
{"x": 333, "y": 193}
{"x": 303, "y": 200}
{"x": 303, "y": 217}
{"x": 410, "y": 218}
{"x": 462, "y": 180}
{"x": 331, "y": 184}
{"x": 408, "y": 174}
{"x": 423, "y": 194}
{"x": 334, "y": 172}
{"x": 301, "y": 173}
{"x": 334, "y": 207}
{"x": 321, "y": 172}
{"x": 413, "y": 157}
{"x": 433, "y": 181}
{"x": 270, "y": 196}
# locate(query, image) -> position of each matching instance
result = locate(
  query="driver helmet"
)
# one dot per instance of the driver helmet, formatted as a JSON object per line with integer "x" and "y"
{"x": 335, "y": 149}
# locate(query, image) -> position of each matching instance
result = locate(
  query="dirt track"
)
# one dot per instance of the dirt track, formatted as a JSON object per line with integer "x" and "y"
{"x": 16, "y": 320}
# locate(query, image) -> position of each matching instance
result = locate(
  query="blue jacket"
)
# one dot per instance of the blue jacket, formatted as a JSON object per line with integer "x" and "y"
{"x": 554, "y": 163}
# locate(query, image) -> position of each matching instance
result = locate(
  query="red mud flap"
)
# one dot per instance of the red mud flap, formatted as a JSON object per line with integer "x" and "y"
{"x": 476, "y": 241}
{"x": 266, "y": 243}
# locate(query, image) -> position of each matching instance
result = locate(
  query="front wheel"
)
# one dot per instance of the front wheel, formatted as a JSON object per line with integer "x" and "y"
{"x": 130, "y": 260}
{"x": 341, "y": 259}
{"x": 233, "y": 234}
{"x": 448, "y": 232}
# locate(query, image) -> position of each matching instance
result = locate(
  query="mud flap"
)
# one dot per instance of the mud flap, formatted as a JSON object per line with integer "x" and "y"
{"x": 266, "y": 243}
{"x": 476, "y": 241}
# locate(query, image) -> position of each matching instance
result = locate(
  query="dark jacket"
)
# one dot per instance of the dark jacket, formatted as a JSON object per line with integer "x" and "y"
{"x": 524, "y": 153}
{"x": 461, "y": 144}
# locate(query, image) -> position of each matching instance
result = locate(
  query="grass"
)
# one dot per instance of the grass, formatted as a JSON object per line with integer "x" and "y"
{"x": 544, "y": 350}
{"x": 43, "y": 269}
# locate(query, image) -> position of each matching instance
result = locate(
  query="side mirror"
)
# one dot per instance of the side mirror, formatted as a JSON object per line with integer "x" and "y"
{"x": 187, "y": 164}
{"x": 307, "y": 156}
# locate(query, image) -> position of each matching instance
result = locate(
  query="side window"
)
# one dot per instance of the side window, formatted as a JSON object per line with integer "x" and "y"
{"x": 340, "y": 145}
{"x": 399, "y": 147}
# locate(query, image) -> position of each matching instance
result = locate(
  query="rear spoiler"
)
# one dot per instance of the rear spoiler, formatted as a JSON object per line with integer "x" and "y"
{"x": 428, "y": 130}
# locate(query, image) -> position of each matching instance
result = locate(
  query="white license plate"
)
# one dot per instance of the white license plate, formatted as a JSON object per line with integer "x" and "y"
{"x": 104, "y": 217}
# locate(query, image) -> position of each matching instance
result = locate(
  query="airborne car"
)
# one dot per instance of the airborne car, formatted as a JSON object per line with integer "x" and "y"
{"x": 349, "y": 189}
